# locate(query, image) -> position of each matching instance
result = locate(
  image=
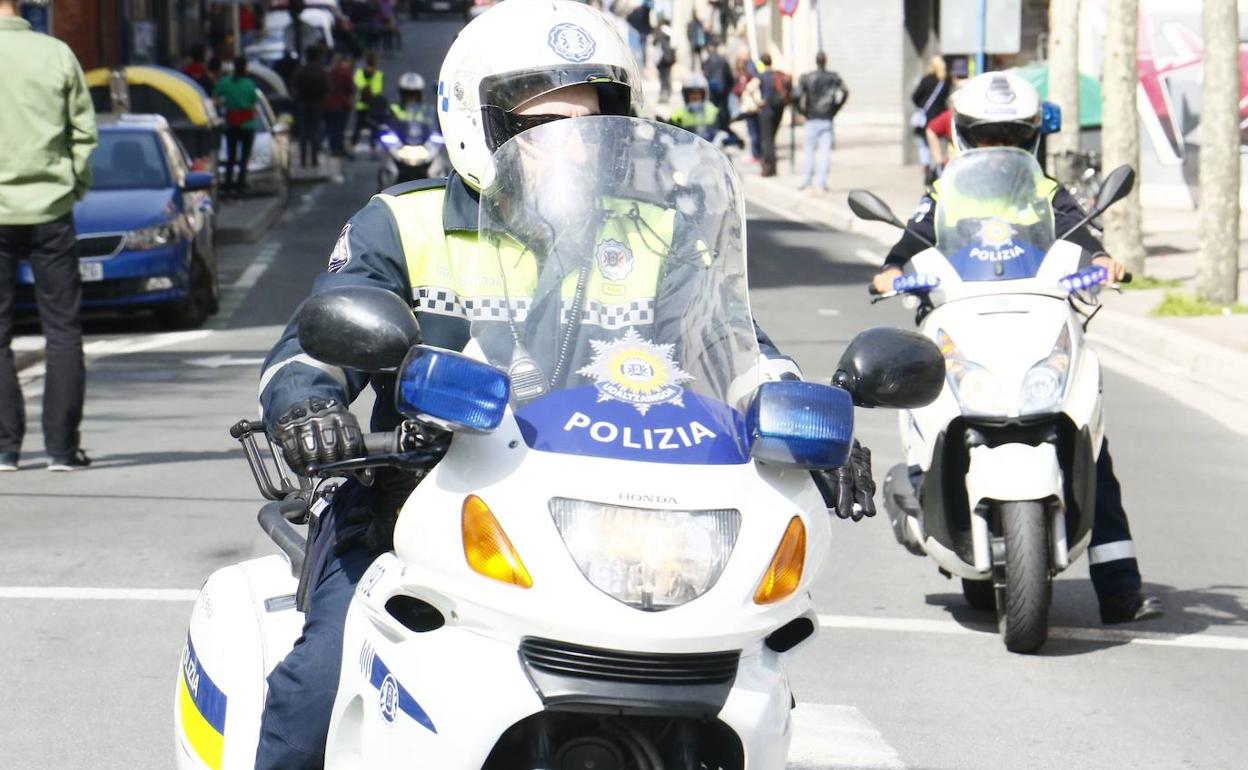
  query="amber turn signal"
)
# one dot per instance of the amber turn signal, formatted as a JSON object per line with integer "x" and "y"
{"x": 487, "y": 548}
{"x": 785, "y": 571}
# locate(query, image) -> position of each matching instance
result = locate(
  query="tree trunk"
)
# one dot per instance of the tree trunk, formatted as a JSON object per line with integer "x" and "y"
{"x": 1063, "y": 61}
{"x": 1217, "y": 278}
{"x": 1120, "y": 134}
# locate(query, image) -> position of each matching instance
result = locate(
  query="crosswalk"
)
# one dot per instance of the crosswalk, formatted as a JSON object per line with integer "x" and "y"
{"x": 837, "y": 738}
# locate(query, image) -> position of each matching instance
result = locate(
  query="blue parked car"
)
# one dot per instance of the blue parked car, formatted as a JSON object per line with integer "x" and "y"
{"x": 145, "y": 227}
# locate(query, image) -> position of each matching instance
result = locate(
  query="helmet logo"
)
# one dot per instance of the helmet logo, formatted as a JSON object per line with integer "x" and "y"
{"x": 1000, "y": 92}
{"x": 571, "y": 42}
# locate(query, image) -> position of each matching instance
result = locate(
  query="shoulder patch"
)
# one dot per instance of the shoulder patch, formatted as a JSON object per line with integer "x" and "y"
{"x": 416, "y": 185}
{"x": 341, "y": 255}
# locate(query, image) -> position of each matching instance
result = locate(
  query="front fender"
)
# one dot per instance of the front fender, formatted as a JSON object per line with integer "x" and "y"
{"x": 1013, "y": 472}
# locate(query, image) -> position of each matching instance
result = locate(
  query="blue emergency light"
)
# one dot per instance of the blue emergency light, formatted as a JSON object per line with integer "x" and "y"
{"x": 451, "y": 390}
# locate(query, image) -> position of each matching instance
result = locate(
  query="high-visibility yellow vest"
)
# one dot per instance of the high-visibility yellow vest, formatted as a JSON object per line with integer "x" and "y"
{"x": 366, "y": 87}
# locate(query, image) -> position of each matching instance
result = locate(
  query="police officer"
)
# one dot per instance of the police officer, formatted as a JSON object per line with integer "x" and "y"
{"x": 369, "y": 81}
{"x": 411, "y": 105}
{"x": 526, "y": 63}
{"x": 1000, "y": 109}
{"x": 697, "y": 114}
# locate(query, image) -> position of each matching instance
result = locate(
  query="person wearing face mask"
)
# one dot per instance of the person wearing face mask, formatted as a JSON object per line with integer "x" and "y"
{"x": 697, "y": 114}
{"x": 525, "y": 64}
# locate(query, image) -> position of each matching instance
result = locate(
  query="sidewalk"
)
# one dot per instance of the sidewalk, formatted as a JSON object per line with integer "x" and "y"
{"x": 1212, "y": 351}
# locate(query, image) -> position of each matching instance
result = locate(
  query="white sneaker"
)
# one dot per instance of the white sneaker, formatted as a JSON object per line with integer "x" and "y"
{"x": 8, "y": 462}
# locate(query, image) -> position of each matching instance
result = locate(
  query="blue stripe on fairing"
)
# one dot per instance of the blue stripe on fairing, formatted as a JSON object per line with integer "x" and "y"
{"x": 209, "y": 699}
{"x": 407, "y": 704}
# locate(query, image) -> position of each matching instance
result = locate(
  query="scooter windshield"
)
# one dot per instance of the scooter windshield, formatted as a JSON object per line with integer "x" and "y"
{"x": 622, "y": 312}
{"x": 994, "y": 216}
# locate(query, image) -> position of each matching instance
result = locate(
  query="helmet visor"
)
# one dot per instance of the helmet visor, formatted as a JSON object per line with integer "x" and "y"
{"x": 999, "y": 134}
{"x": 501, "y": 94}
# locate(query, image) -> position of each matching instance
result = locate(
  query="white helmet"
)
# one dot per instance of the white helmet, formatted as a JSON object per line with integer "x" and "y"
{"x": 411, "y": 81}
{"x": 996, "y": 109}
{"x": 518, "y": 50}
{"x": 694, "y": 82}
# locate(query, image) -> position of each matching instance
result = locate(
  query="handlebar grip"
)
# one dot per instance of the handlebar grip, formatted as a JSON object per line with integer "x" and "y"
{"x": 243, "y": 427}
{"x": 380, "y": 443}
{"x": 1126, "y": 278}
{"x": 872, "y": 290}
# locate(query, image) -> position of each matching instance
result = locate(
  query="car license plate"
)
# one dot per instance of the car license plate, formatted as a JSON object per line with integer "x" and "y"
{"x": 441, "y": 5}
{"x": 91, "y": 271}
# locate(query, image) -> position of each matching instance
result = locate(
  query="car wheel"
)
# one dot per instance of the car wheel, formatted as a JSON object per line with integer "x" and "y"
{"x": 200, "y": 302}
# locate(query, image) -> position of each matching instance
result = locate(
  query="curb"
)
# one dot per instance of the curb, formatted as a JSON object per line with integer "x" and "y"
{"x": 253, "y": 219}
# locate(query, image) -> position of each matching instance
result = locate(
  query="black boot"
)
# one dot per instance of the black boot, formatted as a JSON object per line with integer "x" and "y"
{"x": 1130, "y": 607}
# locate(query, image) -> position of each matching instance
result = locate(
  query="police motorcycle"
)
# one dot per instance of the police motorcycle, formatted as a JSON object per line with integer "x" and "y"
{"x": 611, "y": 550}
{"x": 1000, "y": 477}
{"x": 410, "y": 136}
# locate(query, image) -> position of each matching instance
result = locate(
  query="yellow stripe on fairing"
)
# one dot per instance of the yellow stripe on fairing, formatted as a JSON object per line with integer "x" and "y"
{"x": 206, "y": 741}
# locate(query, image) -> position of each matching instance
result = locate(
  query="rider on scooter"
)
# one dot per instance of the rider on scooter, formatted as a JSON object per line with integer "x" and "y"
{"x": 526, "y": 63}
{"x": 1000, "y": 109}
{"x": 411, "y": 106}
{"x": 697, "y": 114}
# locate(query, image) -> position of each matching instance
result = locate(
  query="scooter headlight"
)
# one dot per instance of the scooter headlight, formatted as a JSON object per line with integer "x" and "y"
{"x": 649, "y": 559}
{"x": 411, "y": 154}
{"x": 1045, "y": 382}
{"x": 976, "y": 388}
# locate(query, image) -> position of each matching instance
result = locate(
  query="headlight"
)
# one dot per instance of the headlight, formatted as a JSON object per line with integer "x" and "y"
{"x": 411, "y": 154}
{"x": 151, "y": 237}
{"x": 1045, "y": 382}
{"x": 649, "y": 559}
{"x": 976, "y": 388}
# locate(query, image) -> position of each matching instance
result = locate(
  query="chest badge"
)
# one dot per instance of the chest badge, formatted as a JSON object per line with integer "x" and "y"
{"x": 636, "y": 372}
{"x": 615, "y": 260}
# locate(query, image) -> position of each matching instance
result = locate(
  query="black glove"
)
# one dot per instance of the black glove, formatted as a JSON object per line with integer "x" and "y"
{"x": 849, "y": 491}
{"x": 318, "y": 430}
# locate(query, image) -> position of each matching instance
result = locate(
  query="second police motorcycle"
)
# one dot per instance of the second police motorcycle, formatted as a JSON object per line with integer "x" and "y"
{"x": 999, "y": 483}
{"x": 611, "y": 552}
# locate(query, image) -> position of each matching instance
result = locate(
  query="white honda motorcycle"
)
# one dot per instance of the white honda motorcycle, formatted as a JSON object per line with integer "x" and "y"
{"x": 613, "y": 542}
{"x": 999, "y": 483}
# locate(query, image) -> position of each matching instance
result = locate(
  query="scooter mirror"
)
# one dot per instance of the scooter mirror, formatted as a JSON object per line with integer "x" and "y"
{"x": 1116, "y": 186}
{"x": 358, "y": 327}
{"x": 867, "y": 205}
{"x": 892, "y": 368}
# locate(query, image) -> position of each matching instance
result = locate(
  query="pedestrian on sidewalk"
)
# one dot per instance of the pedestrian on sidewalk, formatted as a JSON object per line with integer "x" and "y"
{"x": 639, "y": 29}
{"x": 929, "y": 97}
{"x": 196, "y": 69}
{"x": 821, "y": 95}
{"x": 696, "y": 33}
{"x": 749, "y": 98}
{"x": 368, "y": 86}
{"x": 47, "y": 129}
{"x": 311, "y": 87}
{"x": 338, "y": 103}
{"x": 666, "y": 53}
{"x": 719, "y": 81}
{"x": 777, "y": 90}
{"x": 236, "y": 93}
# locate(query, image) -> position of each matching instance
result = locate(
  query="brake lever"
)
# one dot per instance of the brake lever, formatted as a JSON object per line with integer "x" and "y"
{"x": 414, "y": 461}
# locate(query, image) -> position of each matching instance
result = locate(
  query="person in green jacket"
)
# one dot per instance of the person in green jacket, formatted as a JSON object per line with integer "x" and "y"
{"x": 47, "y": 132}
{"x": 236, "y": 93}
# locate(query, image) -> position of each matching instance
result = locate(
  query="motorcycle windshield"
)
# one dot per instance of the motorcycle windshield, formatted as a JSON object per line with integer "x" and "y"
{"x": 994, "y": 214}
{"x": 622, "y": 314}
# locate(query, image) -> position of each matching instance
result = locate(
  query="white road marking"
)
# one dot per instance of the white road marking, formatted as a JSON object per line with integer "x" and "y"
{"x": 76, "y": 593}
{"x": 123, "y": 345}
{"x": 868, "y": 256}
{"x": 263, "y": 259}
{"x": 829, "y": 312}
{"x": 949, "y": 627}
{"x": 216, "y": 362}
{"x": 827, "y": 737}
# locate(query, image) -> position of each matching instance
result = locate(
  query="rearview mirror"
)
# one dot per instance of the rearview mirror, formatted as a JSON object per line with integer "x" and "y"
{"x": 358, "y": 327}
{"x": 195, "y": 181}
{"x": 867, "y": 205}
{"x": 1116, "y": 186}
{"x": 893, "y": 368}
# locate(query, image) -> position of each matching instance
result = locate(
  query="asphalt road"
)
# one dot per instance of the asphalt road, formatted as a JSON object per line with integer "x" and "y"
{"x": 97, "y": 568}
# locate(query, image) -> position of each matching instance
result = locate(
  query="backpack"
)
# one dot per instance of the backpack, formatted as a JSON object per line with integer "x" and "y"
{"x": 781, "y": 89}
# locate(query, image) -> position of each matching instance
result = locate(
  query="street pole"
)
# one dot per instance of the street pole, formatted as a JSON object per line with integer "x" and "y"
{"x": 792, "y": 108}
{"x": 1217, "y": 276}
{"x": 237, "y": 24}
{"x": 751, "y": 30}
{"x": 983, "y": 33}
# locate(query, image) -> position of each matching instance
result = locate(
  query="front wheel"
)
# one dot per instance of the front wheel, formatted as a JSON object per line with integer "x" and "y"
{"x": 1024, "y": 585}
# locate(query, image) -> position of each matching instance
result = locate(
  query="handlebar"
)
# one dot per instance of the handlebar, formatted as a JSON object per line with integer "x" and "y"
{"x": 275, "y": 518}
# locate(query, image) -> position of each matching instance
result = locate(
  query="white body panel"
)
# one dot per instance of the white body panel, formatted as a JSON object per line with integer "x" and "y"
{"x": 1006, "y": 327}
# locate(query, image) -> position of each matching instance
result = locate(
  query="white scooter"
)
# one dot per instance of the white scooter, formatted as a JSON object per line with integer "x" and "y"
{"x": 608, "y": 565}
{"x": 1000, "y": 480}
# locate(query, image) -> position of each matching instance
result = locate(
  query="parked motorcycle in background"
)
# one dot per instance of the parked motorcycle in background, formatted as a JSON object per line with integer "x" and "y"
{"x": 612, "y": 548}
{"x": 999, "y": 482}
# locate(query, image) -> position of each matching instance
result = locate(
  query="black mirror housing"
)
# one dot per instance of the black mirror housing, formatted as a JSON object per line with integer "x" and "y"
{"x": 892, "y": 368}
{"x": 1116, "y": 186}
{"x": 869, "y": 206}
{"x": 358, "y": 327}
